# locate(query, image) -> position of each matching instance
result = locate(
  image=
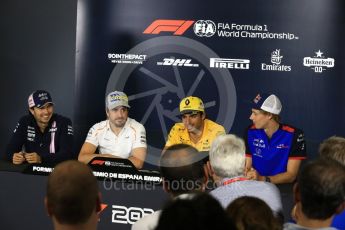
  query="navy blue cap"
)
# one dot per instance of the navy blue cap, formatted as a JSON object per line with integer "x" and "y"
{"x": 39, "y": 98}
{"x": 259, "y": 100}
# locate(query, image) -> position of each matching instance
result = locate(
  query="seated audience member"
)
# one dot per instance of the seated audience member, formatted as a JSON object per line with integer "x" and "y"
{"x": 195, "y": 129}
{"x": 42, "y": 136}
{"x": 73, "y": 199}
{"x": 274, "y": 150}
{"x": 117, "y": 137}
{"x": 319, "y": 195}
{"x": 227, "y": 165}
{"x": 194, "y": 211}
{"x": 183, "y": 172}
{"x": 249, "y": 212}
{"x": 334, "y": 148}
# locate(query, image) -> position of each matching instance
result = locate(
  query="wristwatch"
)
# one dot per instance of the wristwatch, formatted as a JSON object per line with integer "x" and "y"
{"x": 267, "y": 179}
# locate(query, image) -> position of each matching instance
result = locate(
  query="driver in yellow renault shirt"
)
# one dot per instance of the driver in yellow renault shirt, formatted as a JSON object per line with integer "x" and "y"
{"x": 195, "y": 129}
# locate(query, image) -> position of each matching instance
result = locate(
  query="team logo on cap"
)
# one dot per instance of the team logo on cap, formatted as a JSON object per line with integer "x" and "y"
{"x": 116, "y": 97}
{"x": 257, "y": 99}
{"x": 187, "y": 102}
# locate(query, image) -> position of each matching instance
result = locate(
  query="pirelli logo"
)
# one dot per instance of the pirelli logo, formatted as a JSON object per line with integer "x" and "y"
{"x": 227, "y": 63}
{"x": 178, "y": 27}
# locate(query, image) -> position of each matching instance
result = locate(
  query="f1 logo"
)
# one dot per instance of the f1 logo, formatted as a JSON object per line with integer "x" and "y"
{"x": 97, "y": 162}
{"x": 176, "y": 26}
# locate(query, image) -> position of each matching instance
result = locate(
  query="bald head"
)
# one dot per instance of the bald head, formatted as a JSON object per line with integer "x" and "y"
{"x": 72, "y": 193}
{"x": 182, "y": 169}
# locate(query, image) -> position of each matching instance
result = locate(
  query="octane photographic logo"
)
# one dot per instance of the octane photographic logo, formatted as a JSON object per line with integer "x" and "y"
{"x": 155, "y": 91}
{"x": 276, "y": 60}
{"x": 318, "y": 63}
{"x": 204, "y": 28}
{"x": 178, "y": 27}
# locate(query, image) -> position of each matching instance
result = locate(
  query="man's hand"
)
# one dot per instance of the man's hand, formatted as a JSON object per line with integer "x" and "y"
{"x": 33, "y": 158}
{"x": 18, "y": 158}
{"x": 252, "y": 174}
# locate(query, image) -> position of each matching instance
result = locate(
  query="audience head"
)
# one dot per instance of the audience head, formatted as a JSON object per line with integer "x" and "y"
{"x": 334, "y": 148}
{"x": 182, "y": 169}
{"x": 72, "y": 194}
{"x": 194, "y": 211}
{"x": 227, "y": 156}
{"x": 320, "y": 189}
{"x": 251, "y": 213}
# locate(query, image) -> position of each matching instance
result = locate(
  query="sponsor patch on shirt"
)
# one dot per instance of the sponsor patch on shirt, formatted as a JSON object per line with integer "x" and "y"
{"x": 282, "y": 146}
{"x": 300, "y": 137}
{"x": 30, "y": 133}
{"x": 69, "y": 130}
{"x": 53, "y": 130}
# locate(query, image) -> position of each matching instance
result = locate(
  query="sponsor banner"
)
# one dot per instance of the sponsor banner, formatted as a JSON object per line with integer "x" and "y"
{"x": 319, "y": 62}
{"x": 127, "y": 58}
{"x": 159, "y": 57}
{"x": 227, "y": 63}
{"x": 209, "y": 28}
{"x": 117, "y": 169}
{"x": 276, "y": 63}
{"x": 177, "y": 62}
{"x": 129, "y": 177}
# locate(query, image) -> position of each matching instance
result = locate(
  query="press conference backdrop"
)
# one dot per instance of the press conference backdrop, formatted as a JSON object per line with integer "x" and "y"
{"x": 224, "y": 52}
{"x": 158, "y": 52}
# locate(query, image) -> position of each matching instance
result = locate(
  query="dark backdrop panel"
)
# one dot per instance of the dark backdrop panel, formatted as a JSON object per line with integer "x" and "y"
{"x": 37, "y": 46}
{"x": 22, "y": 202}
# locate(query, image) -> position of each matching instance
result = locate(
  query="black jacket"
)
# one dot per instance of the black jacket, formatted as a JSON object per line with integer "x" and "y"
{"x": 54, "y": 145}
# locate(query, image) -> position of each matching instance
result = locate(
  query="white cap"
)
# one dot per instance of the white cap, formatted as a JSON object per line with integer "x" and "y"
{"x": 272, "y": 105}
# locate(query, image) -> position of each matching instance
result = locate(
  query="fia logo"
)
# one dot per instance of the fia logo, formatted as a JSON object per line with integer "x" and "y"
{"x": 204, "y": 28}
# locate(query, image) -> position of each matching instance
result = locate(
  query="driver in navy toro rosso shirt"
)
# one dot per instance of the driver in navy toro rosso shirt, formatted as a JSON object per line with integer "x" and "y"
{"x": 41, "y": 136}
{"x": 274, "y": 150}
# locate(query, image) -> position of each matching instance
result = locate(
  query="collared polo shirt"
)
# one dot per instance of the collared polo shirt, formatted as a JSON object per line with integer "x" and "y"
{"x": 179, "y": 135}
{"x": 270, "y": 155}
{"x": 268, "y": 192}
{"x": 132, "y": 135}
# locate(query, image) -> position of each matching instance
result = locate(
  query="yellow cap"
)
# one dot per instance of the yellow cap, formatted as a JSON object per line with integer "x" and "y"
{"x": 191, "y": 104}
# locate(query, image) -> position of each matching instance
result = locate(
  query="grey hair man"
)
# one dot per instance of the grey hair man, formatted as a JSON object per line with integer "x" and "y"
{"x": 227, "y": 166}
